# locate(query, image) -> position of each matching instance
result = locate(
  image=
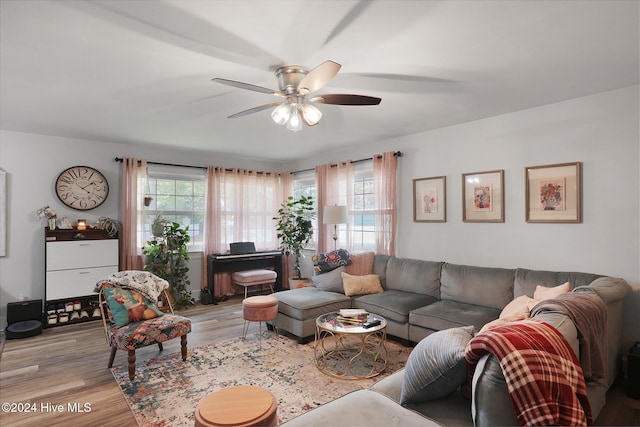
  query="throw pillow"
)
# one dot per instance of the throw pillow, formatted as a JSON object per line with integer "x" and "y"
{"x": 520, "y": 306}
{"x": 361, "y": 285}
{"x": 328, "y": 261}
{"x": 542, "y": 292}
{"x": 436, "y": 367}
{"x": 361, "y": 264}
{"x": 331, "y": 281}
{"x": 129, "y": 306}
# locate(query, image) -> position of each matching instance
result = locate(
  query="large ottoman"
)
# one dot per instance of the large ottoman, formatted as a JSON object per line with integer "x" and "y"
{"x": 298, "y": 310}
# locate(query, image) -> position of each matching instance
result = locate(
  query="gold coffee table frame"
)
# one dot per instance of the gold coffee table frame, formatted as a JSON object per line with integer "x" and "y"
{"x": 341, "y": 349}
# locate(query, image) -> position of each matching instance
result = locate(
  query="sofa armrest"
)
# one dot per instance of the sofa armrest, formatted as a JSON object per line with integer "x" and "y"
{"x": 610, "y": 289}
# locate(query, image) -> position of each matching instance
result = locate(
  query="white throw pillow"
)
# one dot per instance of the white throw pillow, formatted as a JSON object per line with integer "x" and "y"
{"x": 542, "y": 292}
{"x": 519, "y": 307}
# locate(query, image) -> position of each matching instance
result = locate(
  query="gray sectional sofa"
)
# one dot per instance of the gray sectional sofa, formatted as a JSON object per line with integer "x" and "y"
{"x": 422, "y": 297}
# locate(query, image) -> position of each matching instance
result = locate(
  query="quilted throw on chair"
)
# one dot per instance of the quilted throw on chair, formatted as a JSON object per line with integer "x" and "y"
{"x": 544, "y": 377}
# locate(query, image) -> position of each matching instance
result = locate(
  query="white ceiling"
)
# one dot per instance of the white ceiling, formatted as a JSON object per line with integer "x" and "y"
{"x": 140, "y": 72}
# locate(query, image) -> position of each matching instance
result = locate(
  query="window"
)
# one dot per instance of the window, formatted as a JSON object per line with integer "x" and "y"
{"x": 178, "y": 194}
{"x": 363, "y": 227}
{"x": 305, "y": 185}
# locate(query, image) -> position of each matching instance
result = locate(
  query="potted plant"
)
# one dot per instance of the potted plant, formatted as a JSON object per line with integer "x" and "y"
{"x": 168, "y": 258}
{"x": 157, "y": 226}
{"x": 294, "y": 229}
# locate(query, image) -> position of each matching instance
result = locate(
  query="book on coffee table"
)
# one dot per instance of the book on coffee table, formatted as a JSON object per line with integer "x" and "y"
{"x": 353, "y": 312}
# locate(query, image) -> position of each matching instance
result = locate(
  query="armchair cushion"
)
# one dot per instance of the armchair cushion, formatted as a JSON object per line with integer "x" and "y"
{"x": 128, "y": 306}
{"x": 139, "y": 334}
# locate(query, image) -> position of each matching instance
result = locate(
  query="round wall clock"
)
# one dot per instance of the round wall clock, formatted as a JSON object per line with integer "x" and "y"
{"x": 82, "y": 187}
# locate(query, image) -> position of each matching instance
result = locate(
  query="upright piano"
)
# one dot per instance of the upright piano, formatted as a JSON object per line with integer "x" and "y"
{"x": 225, "y": 263}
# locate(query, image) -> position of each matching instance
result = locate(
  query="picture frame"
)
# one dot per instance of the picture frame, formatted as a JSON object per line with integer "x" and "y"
{"x": 483, "y": 196}
{"x": 553, "y": 193}
{"x": 430, "y": 199}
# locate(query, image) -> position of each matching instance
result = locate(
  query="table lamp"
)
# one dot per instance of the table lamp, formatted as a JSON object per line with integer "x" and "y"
{"x": 335, "y": 215}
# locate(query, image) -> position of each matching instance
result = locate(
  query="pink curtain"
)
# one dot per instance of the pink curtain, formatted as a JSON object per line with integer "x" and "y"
{"x": 134, "y": 171}
{"x": 334, "y": 187}
{"x": 385, "y": 168}
{"x": 240, "y": 207}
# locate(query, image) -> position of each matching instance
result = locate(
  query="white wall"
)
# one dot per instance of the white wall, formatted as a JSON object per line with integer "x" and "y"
{"x": 33, "y": 162}
{"x": 601, "y": 131}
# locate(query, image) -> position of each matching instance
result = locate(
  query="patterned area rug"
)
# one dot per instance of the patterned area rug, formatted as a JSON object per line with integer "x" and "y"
{"x": 166, "y": 390}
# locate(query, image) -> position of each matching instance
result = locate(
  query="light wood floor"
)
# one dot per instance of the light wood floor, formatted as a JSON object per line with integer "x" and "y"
{"x": 68, "y": 365}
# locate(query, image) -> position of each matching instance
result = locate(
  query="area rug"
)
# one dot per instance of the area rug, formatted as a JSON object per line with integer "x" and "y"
{"x": 166, "y": 390}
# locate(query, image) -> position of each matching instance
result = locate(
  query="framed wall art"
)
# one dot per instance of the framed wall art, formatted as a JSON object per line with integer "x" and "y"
{"x": 429, "y": 199}
{"x": 483, "y": 196}
{"x": 553, "y": 193}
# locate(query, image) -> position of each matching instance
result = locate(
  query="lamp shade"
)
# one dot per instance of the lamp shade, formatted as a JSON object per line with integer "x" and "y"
{"x": 335, "y": 215}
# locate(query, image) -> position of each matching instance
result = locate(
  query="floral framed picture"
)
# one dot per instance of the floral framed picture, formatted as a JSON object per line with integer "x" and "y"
{"x": 553, "y": 193}
{"x": 483, "y": 196}
{"x": 429, "y": 199}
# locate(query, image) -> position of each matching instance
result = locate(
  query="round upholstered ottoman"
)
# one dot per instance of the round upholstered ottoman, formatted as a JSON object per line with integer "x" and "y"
{"x": 259, "y": 309}
{"x": 240, "y": 406}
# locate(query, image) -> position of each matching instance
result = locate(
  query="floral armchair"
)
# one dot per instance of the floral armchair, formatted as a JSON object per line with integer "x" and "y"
{"x": 131, "y": 320}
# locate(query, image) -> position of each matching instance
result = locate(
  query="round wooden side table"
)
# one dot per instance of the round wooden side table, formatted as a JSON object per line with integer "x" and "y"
{"x": 240, "y": 406}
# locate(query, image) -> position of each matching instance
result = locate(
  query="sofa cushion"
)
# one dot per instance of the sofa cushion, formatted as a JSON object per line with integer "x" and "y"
{"x": 380, "y": 262}
{"x": 393, "y": 304}
{"x": 543, "y": 292}
{"x": 526, "y": 280}
{"x": 361, "y": 264}
{"x": 446, "y": 314}
{"x": 328, "y": 261}
{"x": 436, "y": 366}
{"x": 486, "y": 286}
{"x": 361, "y": 285}
{"x": 412, "y": 275}
{"x": 331, "y": 281}
{"x": 310, "y": 303}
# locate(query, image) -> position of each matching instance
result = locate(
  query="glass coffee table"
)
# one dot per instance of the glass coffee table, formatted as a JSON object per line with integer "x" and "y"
{"x": 349, "y": 350}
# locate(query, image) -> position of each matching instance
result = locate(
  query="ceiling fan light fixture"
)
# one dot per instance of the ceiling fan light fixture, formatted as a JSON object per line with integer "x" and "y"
{"x": 311, "y": 114}
{"x": 295, "y": 123}
{"x": 281, "y": 113}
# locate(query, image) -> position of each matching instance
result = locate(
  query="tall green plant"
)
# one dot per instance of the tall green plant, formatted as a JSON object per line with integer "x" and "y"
{"x": 168, "y": 258}
{"x": 294, "y": 227}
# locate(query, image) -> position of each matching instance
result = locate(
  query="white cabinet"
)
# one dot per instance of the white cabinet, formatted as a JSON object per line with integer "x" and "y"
{"x": 75, "y": 261}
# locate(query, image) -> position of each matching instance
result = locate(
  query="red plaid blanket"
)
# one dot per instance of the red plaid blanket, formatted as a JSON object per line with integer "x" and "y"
{"x": 543, "y": 374}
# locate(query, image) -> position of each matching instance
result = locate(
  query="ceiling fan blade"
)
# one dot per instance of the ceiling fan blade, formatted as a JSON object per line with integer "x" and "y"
{"x": 346, "y": 99}
{"x": 253, "y": 110}
{"x": 318, "y": 77}
{"x": 248, "y": 86}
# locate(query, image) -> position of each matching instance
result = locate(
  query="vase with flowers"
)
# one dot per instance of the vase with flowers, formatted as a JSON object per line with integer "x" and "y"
{"x": 50, "y": 214}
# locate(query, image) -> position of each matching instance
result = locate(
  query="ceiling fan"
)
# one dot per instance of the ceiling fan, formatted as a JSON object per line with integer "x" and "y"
{"x": 295, "y": 86}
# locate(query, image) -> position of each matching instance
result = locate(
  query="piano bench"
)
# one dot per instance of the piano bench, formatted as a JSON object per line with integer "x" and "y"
{"x": 254, "y": 278}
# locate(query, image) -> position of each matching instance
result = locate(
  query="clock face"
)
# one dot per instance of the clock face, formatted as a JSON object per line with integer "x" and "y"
{"x": 82, "y": 188}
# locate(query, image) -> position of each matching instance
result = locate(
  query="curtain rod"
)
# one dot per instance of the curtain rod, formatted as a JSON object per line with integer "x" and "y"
{"x": 397, "y": 154}
{"x": 120, "y": 159}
